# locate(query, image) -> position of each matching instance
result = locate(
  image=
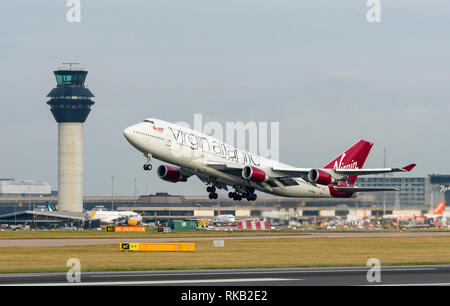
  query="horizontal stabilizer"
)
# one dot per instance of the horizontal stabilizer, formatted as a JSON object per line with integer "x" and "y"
{"x": 409, "y": 167}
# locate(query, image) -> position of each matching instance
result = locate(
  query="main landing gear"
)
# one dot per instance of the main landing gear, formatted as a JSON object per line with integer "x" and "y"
{"x": 248, "y": 194}
{"x": 212, "y": 192}
{"x": 147, "y": 165}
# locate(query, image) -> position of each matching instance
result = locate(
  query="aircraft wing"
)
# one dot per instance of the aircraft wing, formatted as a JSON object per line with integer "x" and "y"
{"x": 234, "y": 169}
{"x": 282, "y": 173}
{"x": 352, "y": 172}
{"x": 303, "y": 172}
{"x": 120, "y": 220}
{"x": 363, "y": 189}
{"x": 293, "y": 172}
{"x": 206, "y": 180}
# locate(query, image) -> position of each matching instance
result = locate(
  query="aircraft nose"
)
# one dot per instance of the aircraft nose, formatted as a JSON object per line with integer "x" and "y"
{"x": 127, "y": 133}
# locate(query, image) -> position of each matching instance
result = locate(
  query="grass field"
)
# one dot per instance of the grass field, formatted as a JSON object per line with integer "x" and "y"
{"x": 251, "y": 253}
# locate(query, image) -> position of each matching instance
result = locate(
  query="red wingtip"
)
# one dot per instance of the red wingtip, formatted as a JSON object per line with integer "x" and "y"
{"x": 409, "y": 167}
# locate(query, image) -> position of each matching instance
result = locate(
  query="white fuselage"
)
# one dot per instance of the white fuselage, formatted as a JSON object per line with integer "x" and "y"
{"x": 111, "y": 217}
{"x": 192, "y": 151}
{"x": 225, "y": 219}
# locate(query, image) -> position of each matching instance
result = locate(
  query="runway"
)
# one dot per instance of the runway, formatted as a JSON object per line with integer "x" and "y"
{"x": 339, "y": 276}
{"x": 99, "y": 241}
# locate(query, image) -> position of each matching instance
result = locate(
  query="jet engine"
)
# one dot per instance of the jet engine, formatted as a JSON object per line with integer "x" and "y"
{"x": 132, "y": 222}
{"x": 254, "y": 174}
{"x": 170, "y": 174}
{"x": 320, "y": 177}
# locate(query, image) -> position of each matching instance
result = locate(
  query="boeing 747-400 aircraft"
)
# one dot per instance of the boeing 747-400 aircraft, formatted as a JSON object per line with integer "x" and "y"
{"x": 219, "y": 165}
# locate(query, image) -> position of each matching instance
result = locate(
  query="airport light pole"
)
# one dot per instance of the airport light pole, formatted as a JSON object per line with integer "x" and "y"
{"x": 384, "y": 183}
{"x": 112, "y": 193}
{"x": 135, "y": 192}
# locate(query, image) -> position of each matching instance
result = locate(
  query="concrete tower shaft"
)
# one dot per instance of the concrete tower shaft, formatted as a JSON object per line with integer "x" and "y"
{"x": 70, "y": 105}
{"x": 70, "y": 166}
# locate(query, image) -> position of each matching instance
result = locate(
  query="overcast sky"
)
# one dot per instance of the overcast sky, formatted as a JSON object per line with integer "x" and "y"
{"x": 319, "y": 68}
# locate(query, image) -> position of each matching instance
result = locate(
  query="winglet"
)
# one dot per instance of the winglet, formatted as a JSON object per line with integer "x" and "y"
{"x": 409, "y": 167}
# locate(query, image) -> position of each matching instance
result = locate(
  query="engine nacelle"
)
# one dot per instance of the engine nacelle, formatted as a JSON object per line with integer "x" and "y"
{"x": 132, "y": 222}
{"x": 254, "y": 174}
{"x": 320, "y": 177}
{"x": 170, "y": 174}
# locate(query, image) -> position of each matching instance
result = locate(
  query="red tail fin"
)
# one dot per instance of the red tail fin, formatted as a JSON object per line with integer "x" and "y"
{"x": 439, "y": 208}
{"x": 353, "y": 158}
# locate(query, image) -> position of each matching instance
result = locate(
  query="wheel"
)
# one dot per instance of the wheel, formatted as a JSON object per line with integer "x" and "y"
{"x": 215, "y": 195}
{"x": 254, "y": 196}
{"x": 213, "y": 189}
{"x": 230, "y": 195}
{"x": 209, "y": 189}
{"x": 148, "y": 167}
{"x": 211, "y": 196}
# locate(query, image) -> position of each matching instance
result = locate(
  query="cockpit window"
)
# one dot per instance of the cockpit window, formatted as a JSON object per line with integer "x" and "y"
{"x": 149, "y": 121}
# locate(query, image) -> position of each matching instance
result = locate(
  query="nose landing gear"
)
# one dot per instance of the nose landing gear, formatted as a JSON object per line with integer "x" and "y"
{"x": 147, "y": 165}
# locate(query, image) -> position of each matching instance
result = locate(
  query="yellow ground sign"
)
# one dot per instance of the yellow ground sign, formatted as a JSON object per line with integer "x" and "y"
{"x": 129, "y": 246}
{"x": 158, "y": 247}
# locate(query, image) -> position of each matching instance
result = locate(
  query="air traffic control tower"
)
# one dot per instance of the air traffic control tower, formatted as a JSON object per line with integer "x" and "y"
{"x": 70, "y": 103}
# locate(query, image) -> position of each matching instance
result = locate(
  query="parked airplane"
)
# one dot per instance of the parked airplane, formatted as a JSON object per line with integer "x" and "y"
{"x": 225, "y": 219}
{"x": 114, "y": 217}
{"x": 220, "y": 165}
{"x": 357, "y": 219}
{"x": 438, "y": 212}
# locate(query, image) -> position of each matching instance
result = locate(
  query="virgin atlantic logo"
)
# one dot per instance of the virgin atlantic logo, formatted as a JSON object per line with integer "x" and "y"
{"x": 159, "y": 130}
{"x": 340, "y": 165}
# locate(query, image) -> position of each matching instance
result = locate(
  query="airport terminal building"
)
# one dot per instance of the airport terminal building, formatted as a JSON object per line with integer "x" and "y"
{"x": 23, "y": 188}
{"x": 424, "y": 192}
{"x": 412, "y": 192}
{"x": 22, "y": 201}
